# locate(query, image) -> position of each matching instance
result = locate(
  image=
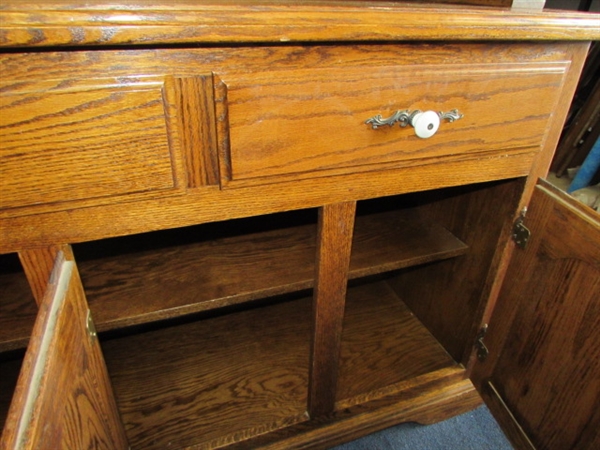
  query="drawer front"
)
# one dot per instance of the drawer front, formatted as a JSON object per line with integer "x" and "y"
{"x": 74, "y": 140}
{"x": 307, "y": 123}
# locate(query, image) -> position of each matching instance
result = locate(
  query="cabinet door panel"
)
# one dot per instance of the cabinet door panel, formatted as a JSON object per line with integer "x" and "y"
{"x": 547, "y": 371}
{"x": 63, "y": 399}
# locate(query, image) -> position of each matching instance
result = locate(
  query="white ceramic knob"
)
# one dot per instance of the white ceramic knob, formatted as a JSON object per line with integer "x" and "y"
{"x": 426, "y": 124}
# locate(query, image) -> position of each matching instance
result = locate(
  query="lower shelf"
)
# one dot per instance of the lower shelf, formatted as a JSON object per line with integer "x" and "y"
{"x": 382, "y": 344}
{"x": 234, "y": 377}
{"x": 225, "y": 378}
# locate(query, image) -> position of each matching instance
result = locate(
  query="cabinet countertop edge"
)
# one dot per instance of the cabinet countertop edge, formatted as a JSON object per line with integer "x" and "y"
{"x": 25, "y": 24}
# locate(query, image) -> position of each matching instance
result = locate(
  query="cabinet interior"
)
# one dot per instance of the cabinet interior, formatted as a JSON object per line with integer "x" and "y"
{"x": 206, "y": 331}
{"x": 17, "y": 316}
{"x": 17, "y": 305}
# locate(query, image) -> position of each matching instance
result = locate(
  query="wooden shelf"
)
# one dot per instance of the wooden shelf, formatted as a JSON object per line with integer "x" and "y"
{"x": 271, "y": 343}
{"x": 162, "y": 282}
{"x": 236, "y": 376}
{"x": 174, "y": 281}
{"x": 383, "y": 344}
{"x": 17, "y": 305}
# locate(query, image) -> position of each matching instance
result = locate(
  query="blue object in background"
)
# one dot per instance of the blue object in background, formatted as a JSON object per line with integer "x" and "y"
{"x": 587, "y": 170}
{"x": 475, "y": 430}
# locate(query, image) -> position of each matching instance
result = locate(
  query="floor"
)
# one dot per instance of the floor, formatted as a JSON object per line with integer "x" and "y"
{"x": 475, "y": 430}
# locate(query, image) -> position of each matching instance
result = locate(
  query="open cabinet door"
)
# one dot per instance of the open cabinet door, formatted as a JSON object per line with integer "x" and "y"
{"x": 541, "y": 379}
{"x": 63, "y": 398}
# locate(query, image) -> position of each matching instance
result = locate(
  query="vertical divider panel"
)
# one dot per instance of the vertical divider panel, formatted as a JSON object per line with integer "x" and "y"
{"x": 38, "y": 265}
{"x": 336, "y": 226}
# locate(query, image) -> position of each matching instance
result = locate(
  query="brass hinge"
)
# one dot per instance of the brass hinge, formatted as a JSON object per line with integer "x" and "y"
{"x": 90, "y": 327}
{"x": 482, "y": 351}
{"x": 521, "y": 233}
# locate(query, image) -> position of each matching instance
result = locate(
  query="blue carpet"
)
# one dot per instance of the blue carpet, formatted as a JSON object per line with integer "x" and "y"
{"x": 475, "y": 430}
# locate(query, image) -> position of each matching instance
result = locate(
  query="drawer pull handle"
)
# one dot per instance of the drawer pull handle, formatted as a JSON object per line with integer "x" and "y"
{"x": 425, "y": 123}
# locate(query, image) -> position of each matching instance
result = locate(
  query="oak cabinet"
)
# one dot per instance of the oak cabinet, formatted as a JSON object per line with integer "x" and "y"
{"x": 241, "y": 242}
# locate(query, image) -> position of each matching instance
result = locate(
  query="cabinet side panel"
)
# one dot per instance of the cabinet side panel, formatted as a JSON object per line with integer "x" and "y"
{"x": 446, "y": 296}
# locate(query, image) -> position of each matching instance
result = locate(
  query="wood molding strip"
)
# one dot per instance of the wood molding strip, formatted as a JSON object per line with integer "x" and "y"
{"x": 222, "y": 127}
{"x": 196, "y": 128}
{"x": 92, "y": 23}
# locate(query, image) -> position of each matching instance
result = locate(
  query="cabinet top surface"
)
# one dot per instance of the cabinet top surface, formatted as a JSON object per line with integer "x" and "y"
{"x": 48, "y": 23}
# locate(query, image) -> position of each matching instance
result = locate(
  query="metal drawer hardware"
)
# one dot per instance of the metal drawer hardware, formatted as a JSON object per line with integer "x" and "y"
{"x": 482, "y": 350}
{"x": 90, "y": 327}
{"x": 425, "y": 123}
{"x": 520, "y": 233}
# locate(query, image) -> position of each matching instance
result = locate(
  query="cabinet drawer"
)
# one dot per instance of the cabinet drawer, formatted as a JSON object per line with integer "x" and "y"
{"x": 69, "y": 140}
{"x": 305, "y": 123}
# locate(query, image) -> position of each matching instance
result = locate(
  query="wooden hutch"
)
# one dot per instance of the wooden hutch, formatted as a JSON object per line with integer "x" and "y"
{"x": 275, "y": 224}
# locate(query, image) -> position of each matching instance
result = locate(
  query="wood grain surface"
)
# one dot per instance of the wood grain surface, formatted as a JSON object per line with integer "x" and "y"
{"x": 309, "y": 122}
{"x": 38, "y": 264}
{"x": 51, "y": 23}
{"x": 191, "y": 104}
{"x": 195, "y": 271}
{"x": 179, "y": 272}
{"x": 225, "y": 379}
{"x": 85, "y": 224}
{"x": 539, "y": 171}
{"x": 65, "y": 144}
{"x": 233, "y": 377}
{"x": 334, "y": 246}
{"x": 426, "y": 399}
{"x": 446, "y": 297}
{"x": 383, "y": 344}
{"x": 45, "y": 75}
{"x": 158, "y": 115}
{"x": 63, "y": 397}
{"x": 544, "y": 353}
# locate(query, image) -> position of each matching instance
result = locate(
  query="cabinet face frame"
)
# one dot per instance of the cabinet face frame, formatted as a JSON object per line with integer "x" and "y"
{"x": 197, "y": 199}
{"x": 52, "y": 302}
{"x": 63, "y": 397}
